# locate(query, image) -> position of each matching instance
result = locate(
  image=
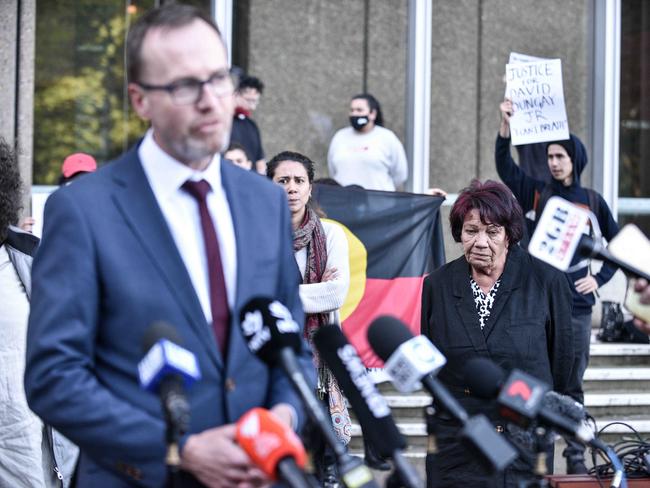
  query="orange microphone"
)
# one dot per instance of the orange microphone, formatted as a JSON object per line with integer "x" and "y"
{"x": 273, "y": 447}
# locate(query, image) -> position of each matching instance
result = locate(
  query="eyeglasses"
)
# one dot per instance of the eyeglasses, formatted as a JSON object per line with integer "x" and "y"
{"x": 190, "y": 90}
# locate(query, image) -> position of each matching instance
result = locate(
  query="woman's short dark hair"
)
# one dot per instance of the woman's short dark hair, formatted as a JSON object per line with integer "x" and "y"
{"x": 10, "y": 189}
{"x": 373, "y": 103}
{"x": 170, "y": 16}
{"x": 495, "y": 204}
{"x": 275, "y": 161}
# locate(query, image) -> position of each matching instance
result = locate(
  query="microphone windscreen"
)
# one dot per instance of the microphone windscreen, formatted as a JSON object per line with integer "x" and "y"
{"x": 268, "y": 327}
{"x": 157, "y": 331}
{"x": 483, "y": 377}
{"x": 267, "y": 441}
{"x": 564, "y": 405}
{"x": 370, "y": 407}
{"x": 386, "y": 334}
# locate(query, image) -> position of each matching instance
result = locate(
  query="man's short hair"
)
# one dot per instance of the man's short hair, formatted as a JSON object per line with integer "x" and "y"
{"x": 250, "y": 82}
{"x": 169, "y": 16}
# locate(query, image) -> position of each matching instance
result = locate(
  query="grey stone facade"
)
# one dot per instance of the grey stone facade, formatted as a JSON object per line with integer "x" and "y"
{"x": 311, "y": 56}
{"x": 17, "y": 19}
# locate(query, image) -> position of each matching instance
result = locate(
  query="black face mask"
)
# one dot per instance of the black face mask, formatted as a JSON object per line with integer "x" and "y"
{"x": 358, "y": 122}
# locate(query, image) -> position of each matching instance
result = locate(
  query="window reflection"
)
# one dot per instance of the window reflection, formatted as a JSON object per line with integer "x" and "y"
{"x": 80, "y": 99}
{"x": 634, "y": 171}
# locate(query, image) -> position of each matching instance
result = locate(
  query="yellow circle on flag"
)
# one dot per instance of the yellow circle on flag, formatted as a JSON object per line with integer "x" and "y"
{"x": 358, "y": 258}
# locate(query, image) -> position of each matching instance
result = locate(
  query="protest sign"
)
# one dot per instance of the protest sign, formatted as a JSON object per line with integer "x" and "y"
{"x": 524, "y": 58}
{"x": 537, "y": 96}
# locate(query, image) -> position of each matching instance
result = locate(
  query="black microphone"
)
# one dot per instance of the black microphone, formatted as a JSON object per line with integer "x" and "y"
{"x": 407, "y": 359}
{"x": 274, "y": 337}
{"x": 370, "y": 407}
{"x": 387, "y": 336}
{"x": 522, "y": 398}
{"x": 167, "y": 369}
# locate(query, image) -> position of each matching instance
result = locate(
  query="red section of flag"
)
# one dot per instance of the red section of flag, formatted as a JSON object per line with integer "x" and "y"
{"x": 399, "y": 297}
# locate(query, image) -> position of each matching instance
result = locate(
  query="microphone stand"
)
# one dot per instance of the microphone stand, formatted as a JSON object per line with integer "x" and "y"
{"x": 432, "y": 475}
{"x": 540, "y": 470}
{"x": 431, "y": 465}
{"x": 172, "y": 457}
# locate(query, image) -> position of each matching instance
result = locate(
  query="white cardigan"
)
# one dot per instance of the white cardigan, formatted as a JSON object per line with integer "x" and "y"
{"x": 327, "y": 296}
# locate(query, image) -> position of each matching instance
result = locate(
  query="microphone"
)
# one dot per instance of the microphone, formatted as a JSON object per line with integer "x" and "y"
{"x": 369, "y": 406}
{"x": 167, "y": 369}
{"x": 562, "y": 233}
{"x": 409, "y": 360}
{"x": 522, "y": 398}
{"x": 565, "y": 406}
{"x": 273, "y": 446}
{"x": 274, "y": 337}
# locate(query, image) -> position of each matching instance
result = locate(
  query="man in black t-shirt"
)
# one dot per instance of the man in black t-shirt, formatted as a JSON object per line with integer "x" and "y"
{"x": 244, "y": 129}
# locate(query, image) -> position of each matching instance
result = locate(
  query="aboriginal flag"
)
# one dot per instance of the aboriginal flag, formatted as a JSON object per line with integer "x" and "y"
{"x": 395, "y": 240}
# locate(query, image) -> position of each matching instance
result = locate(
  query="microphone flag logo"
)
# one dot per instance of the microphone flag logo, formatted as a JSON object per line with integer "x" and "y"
{"x": 519, "y": 388}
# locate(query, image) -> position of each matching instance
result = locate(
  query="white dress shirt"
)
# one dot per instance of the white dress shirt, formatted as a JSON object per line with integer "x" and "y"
{"x": 166, "y": 175}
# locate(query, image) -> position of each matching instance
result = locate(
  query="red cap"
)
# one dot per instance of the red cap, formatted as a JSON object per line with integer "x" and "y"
{"x": 78, "y": 163}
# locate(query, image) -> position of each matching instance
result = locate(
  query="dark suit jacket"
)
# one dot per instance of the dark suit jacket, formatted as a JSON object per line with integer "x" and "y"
{"x": 529, "y": 328}
{"x": 107, "y": 268}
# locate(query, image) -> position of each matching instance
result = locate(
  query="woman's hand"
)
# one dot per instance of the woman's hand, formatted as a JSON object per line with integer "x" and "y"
{"x": 330, "y": 274}
{"x": 586, "y": 285}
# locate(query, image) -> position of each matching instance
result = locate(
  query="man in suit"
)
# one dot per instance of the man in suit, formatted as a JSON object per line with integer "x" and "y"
{"x": 139, "y": 241}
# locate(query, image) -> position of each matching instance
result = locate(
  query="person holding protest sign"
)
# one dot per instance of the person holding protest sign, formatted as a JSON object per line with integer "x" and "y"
{"x": 566, "y": 161}
{"x": 366, "y": 153}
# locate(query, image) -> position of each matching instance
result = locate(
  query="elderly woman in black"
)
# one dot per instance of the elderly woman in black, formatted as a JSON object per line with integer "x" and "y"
{"x": 498, "y": 302}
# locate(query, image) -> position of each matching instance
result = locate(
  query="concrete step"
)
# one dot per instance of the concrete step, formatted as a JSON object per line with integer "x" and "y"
{"x": 417, "y": 436}
{"x": 617, "y": 379}
{"x": 408, "y": 408}
{"x": 620, "y": 405}
{"x": 602, "y": 354}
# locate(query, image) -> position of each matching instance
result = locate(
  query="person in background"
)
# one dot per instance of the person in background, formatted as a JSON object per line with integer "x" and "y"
{"x": 244, "y": 129}
{"x": 366, "y": 153}
{"x": 237, "y": 154}
{"x": 499, "y": 302}
{"x": 642, "y": 287}
{"x": 75, "y": 165}
{"x": 32, "y": 455}
{"x": 321, "y": 251}
{"x": 168, "y": 231}
{"x": 566, "y": 161}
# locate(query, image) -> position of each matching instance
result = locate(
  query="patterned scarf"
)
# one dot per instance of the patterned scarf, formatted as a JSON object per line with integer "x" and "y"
{"x": 311, "y": 235}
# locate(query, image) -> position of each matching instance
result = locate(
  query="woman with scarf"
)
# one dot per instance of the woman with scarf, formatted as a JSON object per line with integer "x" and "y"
{"x": 321, "y": 251}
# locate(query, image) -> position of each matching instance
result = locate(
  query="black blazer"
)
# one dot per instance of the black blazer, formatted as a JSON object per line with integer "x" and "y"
{"x": 529, "y": 327}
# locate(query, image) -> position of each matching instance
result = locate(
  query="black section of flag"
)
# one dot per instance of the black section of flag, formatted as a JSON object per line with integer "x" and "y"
{"x": 401, "y": 232}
